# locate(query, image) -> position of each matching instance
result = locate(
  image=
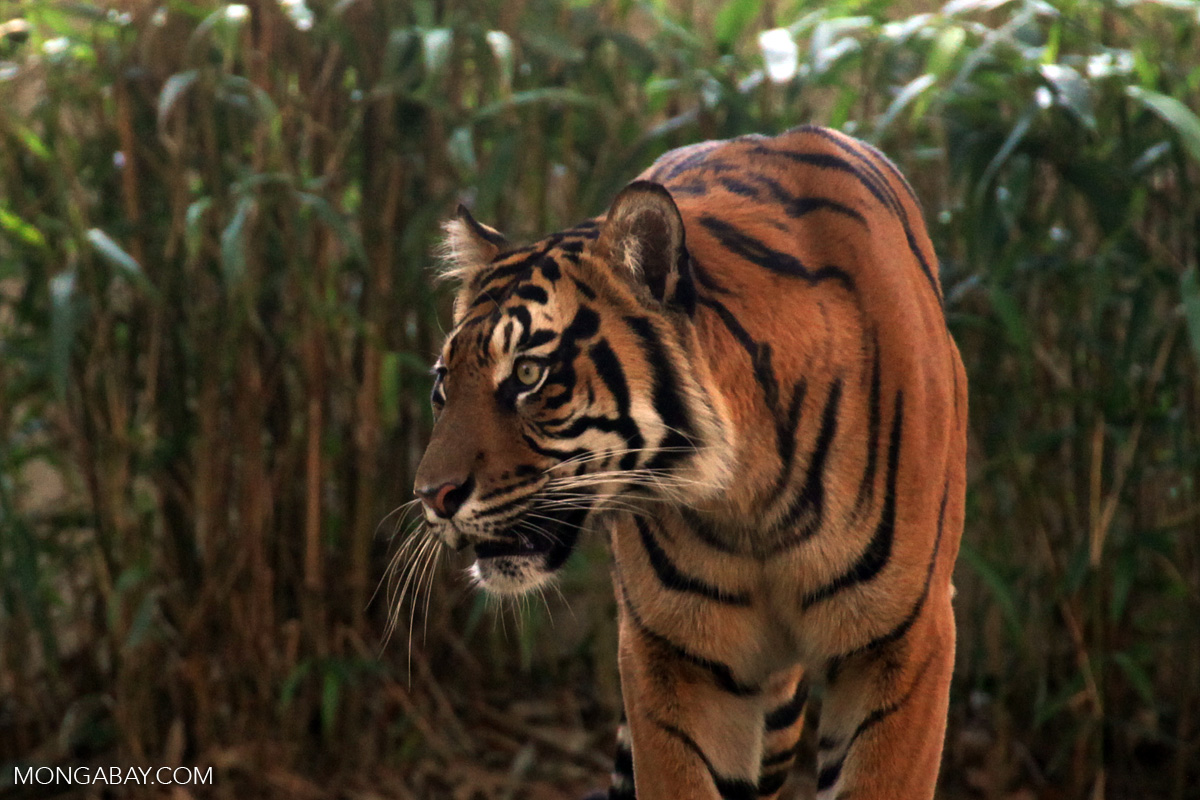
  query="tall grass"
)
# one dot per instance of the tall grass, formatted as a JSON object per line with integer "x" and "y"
{"x": 216, "y": 320}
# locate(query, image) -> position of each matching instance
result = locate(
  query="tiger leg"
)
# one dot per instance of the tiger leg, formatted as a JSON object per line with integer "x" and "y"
{"x": 782, "y": 727}
{"x": 883, "y": 719}
{"x": 691, "y": 737}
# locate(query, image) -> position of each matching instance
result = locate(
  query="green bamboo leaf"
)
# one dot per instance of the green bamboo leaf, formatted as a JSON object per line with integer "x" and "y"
{"x": 1011, "y": 142}
{"x": 568, "y": 97}
{"x": 193, "y": 233}
{"x": 553, "y": 45}
{"x": 227, "y": 17}
{"x": 1189, "y": 287}
{"x": 944, "y": 54}
{"x": 1181, "y": 119}
{"x": 1138, "y": 679}
{"x": 331, "y": 688}
{"x": 172, "y": 90}
{"x": 21, "y": 229}
{"x": 437, "y": 44}
{"x": 1071, "y": 92}
{"x": 326, "y": 213}
{"x": 291, "y": 684}
{"x": 126, "y": 265}
{"x": 140, "y": 627}
{"x": 733, "y": 19}
{"x": 999, "y": 589}
{"x": 64, "y": 320}
{"x": 911, "y": 91}
{"x": 233, "y": 242}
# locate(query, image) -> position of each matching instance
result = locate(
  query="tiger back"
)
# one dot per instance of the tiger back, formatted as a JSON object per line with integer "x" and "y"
{"x": 742, "y": 376}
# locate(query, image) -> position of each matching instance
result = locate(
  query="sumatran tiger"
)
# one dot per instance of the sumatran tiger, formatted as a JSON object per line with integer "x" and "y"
{"x": 742, "y": 375}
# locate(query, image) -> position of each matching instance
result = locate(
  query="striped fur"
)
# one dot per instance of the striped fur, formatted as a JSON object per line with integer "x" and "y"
{"x": 745, "y": 380}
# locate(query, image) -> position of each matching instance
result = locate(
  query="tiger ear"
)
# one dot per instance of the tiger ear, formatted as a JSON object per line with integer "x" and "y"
{"x": 469, "y": 245}
{"x": 644, "y": 237}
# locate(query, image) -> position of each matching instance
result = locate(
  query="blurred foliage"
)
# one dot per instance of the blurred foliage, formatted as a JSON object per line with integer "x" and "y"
{"x": 216, "y": 316}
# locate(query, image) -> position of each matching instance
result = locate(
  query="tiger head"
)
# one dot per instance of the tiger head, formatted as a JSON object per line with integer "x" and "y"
{"x": 567, "y": 387}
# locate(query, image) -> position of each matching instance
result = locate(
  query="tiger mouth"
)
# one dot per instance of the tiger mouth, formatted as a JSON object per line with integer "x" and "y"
{"x": 551, "y": 537}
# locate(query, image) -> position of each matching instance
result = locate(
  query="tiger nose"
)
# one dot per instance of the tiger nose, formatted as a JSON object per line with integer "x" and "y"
{"x": 447, "y": 499}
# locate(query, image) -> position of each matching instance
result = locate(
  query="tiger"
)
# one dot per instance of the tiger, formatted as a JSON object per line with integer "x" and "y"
{"x": 742, "y": 376}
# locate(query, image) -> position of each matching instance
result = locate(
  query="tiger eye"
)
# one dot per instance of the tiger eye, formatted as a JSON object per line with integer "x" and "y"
{"x": 528, "y": 372}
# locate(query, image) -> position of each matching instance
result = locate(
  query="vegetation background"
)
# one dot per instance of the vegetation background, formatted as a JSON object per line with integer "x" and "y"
{"x": 216, "y": 320}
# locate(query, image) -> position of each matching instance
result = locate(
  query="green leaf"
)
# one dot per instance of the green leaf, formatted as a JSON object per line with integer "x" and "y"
{"x": 907, "y": 95}
{"x": 1189, "y": 288}
{"x": 1014, "y": 138}
{"x": 1071, "y": 92}
{"x": 21, "y": 229}
{"x": 192, "y": 230}
{"x": 233, "y": 242}
{"x": 327, "y": 214}
{"x": 733, "y": 18}
{"x": 126, "y": 265}
{"x": 64, "y": 320}
{"x": 331, "y": 688}
{"x": 1181, "y": 119}
{"x": 1138, "y": 679}
{"x": 944, "y": 54}
{"x": 999, "y": 588}
{"x": 172, "y": 90}
{"x": 568, "y": 97}
{"x": 553, "y": 45}
{"x": 437, "y": 44}
{"x": 291, "y": 684}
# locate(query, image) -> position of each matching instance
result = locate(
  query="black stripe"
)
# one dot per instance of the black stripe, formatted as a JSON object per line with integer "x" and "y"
{"x": 524, "y": 264}
{"x": 532, "y": 293}
{"x": 903, "y": 627}
{"x": 539, "y": 338}
{"x": 808, "y": 508}
{"x": 583, "y": 288}
{"x": 609, "y": 368}
{"x": 549, "y": 269}
{"x": 705, "y": 531}
{"x": 827, "y": 161}
{"x": 830, "y": 772}
{"x": 795, "y": 206}
{"x": 866, "y": 489}
{"x": 879, "y": 549}
{"x": 521, "y": 314}
{"x": 738, "y": 187}
{"x": 893, "y": 201}
{"x": 706, "y": 280}
{"x": 780, "y": 758}
{"x": 785, "y": 438}
{"x": 771, "y": 783}
{"x": 689, "y": 189}
{"x": 760, "y": 354}
{"x": 510, "y": 487}
{"x": 666, "y": 398}
{"x": 721, "y": 673}
{"x": 786, "y": 715}
{"x": 561, "y": 455}
{"x": 746, "y": 246}
{"x": 671, "y": 578}
{"x": 728, "y": 788}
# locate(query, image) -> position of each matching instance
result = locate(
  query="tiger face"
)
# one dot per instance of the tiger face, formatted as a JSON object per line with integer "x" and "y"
{"x": 559, "y": 390}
